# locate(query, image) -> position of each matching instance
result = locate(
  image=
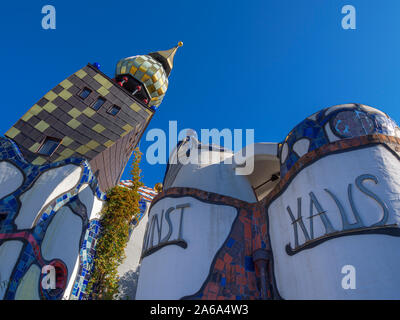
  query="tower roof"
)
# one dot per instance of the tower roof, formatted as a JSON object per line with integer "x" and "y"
{"x": 166, "y": 57}
{"x": 151, "y": 70}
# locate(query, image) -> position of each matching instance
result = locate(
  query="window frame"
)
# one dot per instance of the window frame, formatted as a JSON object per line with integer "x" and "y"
{"x": 46, "y": 138}
{"x": 98, "y": 98}
{"x": 113, "y": 106}
{"x": 80, "y": 92}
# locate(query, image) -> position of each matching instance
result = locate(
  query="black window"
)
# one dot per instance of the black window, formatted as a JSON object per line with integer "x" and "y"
{"x": 85, "y": 93}
{"x": 48, "y": 146}
{"x": 113, "y": 110}
{"x": 99, "y": 102}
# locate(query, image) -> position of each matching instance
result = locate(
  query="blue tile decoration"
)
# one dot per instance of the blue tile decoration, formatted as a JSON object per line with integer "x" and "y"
{"x": 248, "y": 263}
{"x": 33, "y": 238}
{"x": 335, "y": 123}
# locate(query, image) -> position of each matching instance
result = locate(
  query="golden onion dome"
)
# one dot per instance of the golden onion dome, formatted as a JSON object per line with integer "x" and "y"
{"x": 152, "y": 70}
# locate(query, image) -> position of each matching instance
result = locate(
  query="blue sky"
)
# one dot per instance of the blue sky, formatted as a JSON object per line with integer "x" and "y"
{"x": 262, "y": 65}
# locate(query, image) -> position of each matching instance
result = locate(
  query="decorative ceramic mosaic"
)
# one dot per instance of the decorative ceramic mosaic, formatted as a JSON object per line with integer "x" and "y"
{"x": 333, "y": 124}
{"x": 33, "y": 238}
{"x": 233, "y": 273}
{"x": 148, "y": 71}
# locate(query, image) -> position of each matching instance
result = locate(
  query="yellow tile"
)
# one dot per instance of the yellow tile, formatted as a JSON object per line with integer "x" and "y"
{"x": 108, "y": 143}
{"x": 49, "y": 107}
{"x": 65, "y": 94}
{"x": 27, "y": 116}
{"x": 82, "y": 150}
{"x": 92, "y": 144}
{"x": 66, "y": 84}
{"x": 39, "y": 161}
{"x": 74, "y": 113}
{"x": 12, "y": 132}
{"x": 42, "y": 125}
{"x": 50, "y": 96}
{"x": 127, "y": 127}
{"x": 149, "y": 112}
{"x": 35, "y": 147}
{"x": 98, "y": 128}
{"x": 35, "y": 110}
{"x": 123, "y": 134}
{"x": 80, "y": 73}
{"x": 133, "y": 70}
{"x": 145, "y": 77}
{"x": 73, "y": 123}
{"x": 108, "y": 85}
{"x": 60, "y": 158}
{"x": 66, "y": 141}
{"x": 67, "y": 152}
{"x": 103, "y": 91}
{"x": 103, "y": 81}
{"x": 89, "y": 112}
{"x": 135, "y": 107}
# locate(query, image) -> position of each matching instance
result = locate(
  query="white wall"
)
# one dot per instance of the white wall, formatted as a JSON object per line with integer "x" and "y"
{"x": 9, "y": 253}
{"x": 316, "y": 273}
{"x": 11, "y": 178}
{"x": 62, "y": 239}
{"x": 173, "y": 272}
{"x": 47, "y": 187}
{"x": 130, "y": 268}
{"x": 217, "y": 177}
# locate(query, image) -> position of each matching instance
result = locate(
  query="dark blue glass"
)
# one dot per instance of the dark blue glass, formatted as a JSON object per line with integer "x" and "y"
{"x": 97, "y": 105}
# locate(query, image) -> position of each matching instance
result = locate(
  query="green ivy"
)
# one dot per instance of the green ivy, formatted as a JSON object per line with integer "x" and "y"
{"x": 121, "y": 207}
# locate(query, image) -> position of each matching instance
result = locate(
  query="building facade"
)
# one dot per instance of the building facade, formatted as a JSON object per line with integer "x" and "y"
{"x": 56, "y": 164}
{"x": 320, "y": 203}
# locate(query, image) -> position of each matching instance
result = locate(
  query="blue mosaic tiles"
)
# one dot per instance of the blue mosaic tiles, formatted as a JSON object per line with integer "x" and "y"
{"x": 33, "y": 238}
{"x": 332, "y": 124}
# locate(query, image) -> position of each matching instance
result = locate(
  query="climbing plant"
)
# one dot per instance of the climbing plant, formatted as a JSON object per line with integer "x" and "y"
{"x": 121, "y": 207}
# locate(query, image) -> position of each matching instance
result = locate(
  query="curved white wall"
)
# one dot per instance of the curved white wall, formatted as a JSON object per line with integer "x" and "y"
{"x": 28, "y": 288}
{"x": 217, "y": 177}
{"x": 11, "y": 178}
{"x": 129, "y": 269}
{"x": 173, "y": 272}
{"x": 92, "y": 204}
{"x": 48, "y": 186}
{"x": 315, "y": 273}
{"x": 9, "y": 251}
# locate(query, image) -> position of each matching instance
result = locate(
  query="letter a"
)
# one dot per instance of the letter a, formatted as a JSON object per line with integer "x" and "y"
{"x": 349, "y": 280}
{"x": 49, "y": 278}
{"x": 49, "y": 20}
{"x": 349, "y": 20}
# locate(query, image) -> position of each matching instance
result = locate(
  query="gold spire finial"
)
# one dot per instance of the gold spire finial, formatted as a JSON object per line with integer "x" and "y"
{"x": 166, "y": 57}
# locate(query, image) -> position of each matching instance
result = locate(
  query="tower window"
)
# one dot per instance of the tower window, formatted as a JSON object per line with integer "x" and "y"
{"x": 114, "y": 110}
{"x": 48, "y": 146}
{"x": 85, "y": 93}
{"x": 99, "y": 102}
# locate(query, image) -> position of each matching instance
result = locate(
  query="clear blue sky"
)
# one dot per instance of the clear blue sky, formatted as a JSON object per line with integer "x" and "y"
{"x": 263, "y": 64}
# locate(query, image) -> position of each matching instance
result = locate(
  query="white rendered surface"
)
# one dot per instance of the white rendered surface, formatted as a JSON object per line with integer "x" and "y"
{"x": 28, "y": 288}
{"x": 62, "y": 239}
{"x": 129, "y": 269}
{"x": 9, "y": 253}
{"x": 174, "y": 272}
{"x": 11, "y": 178}
{"x": 315, "y": 273}
{"x": 49, "y": 186}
